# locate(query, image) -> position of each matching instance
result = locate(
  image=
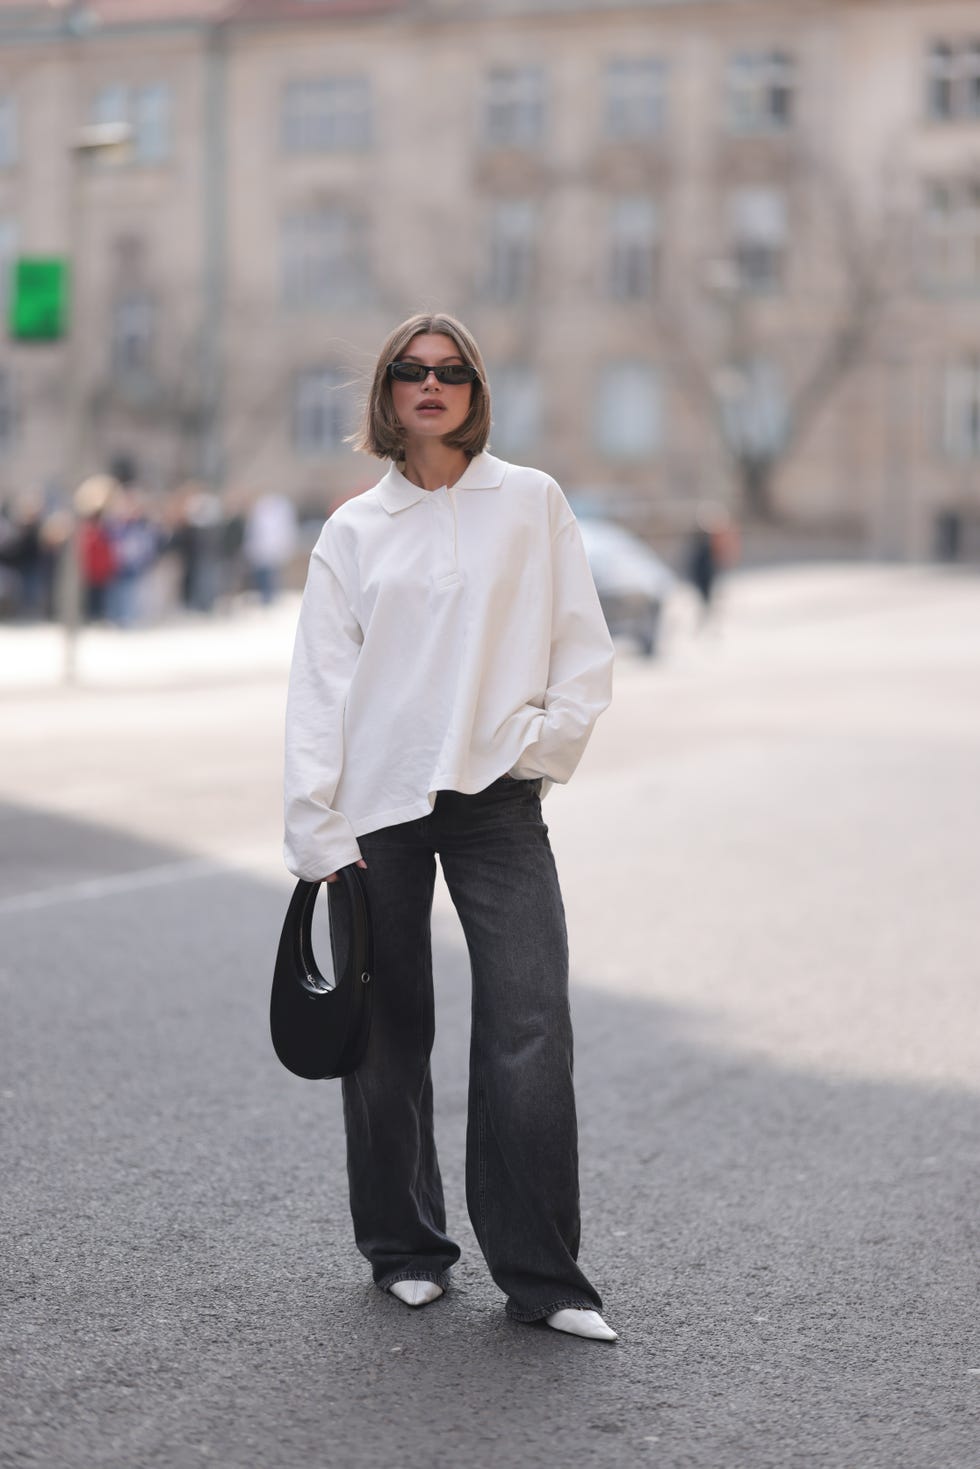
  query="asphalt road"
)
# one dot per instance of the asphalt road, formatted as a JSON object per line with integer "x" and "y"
{"x": 770, "y": 858}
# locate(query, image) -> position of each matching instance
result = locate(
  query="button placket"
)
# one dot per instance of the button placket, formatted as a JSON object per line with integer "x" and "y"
{"x": 446, "y": 571}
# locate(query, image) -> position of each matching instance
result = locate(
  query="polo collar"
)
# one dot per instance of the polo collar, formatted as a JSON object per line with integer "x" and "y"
{"x": 484, "y": 472}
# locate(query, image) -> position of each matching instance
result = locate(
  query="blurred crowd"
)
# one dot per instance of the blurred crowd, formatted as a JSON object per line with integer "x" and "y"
{"x": 140, "y": 557}
{"x": 143, "y": 558}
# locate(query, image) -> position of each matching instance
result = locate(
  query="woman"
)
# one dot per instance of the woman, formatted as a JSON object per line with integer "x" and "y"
{"x": 451, "y": 660}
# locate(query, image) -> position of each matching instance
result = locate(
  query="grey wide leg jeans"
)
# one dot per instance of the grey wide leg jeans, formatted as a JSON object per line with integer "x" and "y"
{"x": 521, "y": 1145}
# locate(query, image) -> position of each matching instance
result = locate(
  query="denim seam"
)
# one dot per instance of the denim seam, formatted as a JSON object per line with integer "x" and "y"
{"x": 422, "y": 970}
{"x": 481, "y": 1135}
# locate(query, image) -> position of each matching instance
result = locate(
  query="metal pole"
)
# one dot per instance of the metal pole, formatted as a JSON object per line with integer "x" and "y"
{"x": 108, "y": 140}
{"x": 211, "y": 466}
{"x": 69, "y": 571}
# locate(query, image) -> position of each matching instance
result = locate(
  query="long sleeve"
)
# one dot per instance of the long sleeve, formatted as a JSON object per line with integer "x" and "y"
{"x": 580, "y": 666}
{"x": 319, "y": 840}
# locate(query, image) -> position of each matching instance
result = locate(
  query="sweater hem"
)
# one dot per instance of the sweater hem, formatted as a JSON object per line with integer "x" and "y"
{"x": 424, "y": 805}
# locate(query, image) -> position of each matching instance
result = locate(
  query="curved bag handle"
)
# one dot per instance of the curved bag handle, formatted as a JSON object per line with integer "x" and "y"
{"x": 320, "y": 1026}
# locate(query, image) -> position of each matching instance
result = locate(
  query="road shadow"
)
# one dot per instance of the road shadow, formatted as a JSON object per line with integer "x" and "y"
{"x": 790, "y": 1258}
{"x": 43, "y": 850}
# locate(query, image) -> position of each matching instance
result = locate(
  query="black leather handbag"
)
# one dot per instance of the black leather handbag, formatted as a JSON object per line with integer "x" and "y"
{"x": 320, "y": 1026}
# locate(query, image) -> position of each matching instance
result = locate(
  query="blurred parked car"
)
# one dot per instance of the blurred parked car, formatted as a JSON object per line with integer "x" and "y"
{"x": 632, "y": 582}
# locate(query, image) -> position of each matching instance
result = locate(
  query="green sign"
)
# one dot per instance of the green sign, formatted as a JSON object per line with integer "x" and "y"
{"x": 39, "y": 299}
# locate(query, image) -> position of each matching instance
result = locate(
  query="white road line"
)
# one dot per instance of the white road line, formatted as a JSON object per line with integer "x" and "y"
{"x": 105, "y": 887}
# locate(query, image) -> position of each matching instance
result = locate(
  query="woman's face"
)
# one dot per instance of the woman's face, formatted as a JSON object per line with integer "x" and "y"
{"x": 430, "y": 409}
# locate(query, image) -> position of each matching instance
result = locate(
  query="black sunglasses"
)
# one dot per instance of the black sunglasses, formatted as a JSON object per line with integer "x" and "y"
{"x": 452, "y": 373}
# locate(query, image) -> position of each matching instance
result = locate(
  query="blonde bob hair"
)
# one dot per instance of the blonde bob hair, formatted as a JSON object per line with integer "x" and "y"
{"x": 381, "y": 433}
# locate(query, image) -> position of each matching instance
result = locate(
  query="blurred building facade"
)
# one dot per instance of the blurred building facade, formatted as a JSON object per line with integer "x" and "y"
{"x": 711, "y": 249}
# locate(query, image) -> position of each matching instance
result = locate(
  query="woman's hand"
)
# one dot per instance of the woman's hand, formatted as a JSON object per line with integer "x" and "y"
{"x": 334, "y": 875}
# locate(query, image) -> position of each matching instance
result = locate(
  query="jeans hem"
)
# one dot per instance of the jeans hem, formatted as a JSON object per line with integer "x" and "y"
{"x": 437, "y": 1277}
{"x": 540, "y": 1312}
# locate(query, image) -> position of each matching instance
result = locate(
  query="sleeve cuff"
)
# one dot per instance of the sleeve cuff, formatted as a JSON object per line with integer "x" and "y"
{"x": 316, "y": 866}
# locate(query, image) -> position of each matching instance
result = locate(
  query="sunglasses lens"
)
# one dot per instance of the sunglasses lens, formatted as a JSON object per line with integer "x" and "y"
{"x": 455, "y": 374}
{"x": 408, "y": 372}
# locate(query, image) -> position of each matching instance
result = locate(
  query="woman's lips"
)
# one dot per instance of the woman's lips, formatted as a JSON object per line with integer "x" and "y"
{"x": 430, "y": 408}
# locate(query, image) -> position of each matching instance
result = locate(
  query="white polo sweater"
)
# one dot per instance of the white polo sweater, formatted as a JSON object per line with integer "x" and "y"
{"x": 446, "y": 637}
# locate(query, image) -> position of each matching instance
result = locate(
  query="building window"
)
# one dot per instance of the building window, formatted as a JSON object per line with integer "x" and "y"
{"x": 635, "y": 99}
{"x": 8, "y": 423}
{"x": 8, "y": 255}
{"x": 633, "y": 242}
{"x": 132, "y": 329}
{"x": 152, "y": 108}
{"x": 971, "y": 79}
{"x": 953, "y": 235}
{"x": 321, "y": 412}
{"x": 511, "y": 262}
{"x": 629, "y": 411}
{"x": 112, "y": 103}
{"x": 516, "y": 398}
{"x": 148, "y": 111}
{"x": 326, "y": 114}
{"x": 962, "y": 409}
{"x": 757, "y": 226}
{"x": 514, "y": 108}
{"x": 754, "y": 408}
{"x": 760, "y": 92}
{"x": 953, "y": 81}
{"x": 324, "y": 260}
{"x": 941, "y": 74}
{"x": 940, "y": 212}
{"x": 8, "y": 131}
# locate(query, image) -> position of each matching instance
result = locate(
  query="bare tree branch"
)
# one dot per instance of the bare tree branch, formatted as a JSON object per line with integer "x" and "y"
{"x": 718, "y": 376}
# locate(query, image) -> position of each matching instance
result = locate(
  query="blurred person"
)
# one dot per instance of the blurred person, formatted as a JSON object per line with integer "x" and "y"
{"x": 23, "y": 558}
{"x": 98, "y": 564}
{"x": 57, "y": 528}
{"x": 234, "y": 574}
{"x": 269, "y": 543}
{"x": 712, "y": 549}
{"x": 198, "y": 541}
{"x": 136, "y": 543}
{"x": 96, "y": 553}
{"x": 159, "y": 585}
{"x": 9, "y": 580}
{"x": 451, "y": 660}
